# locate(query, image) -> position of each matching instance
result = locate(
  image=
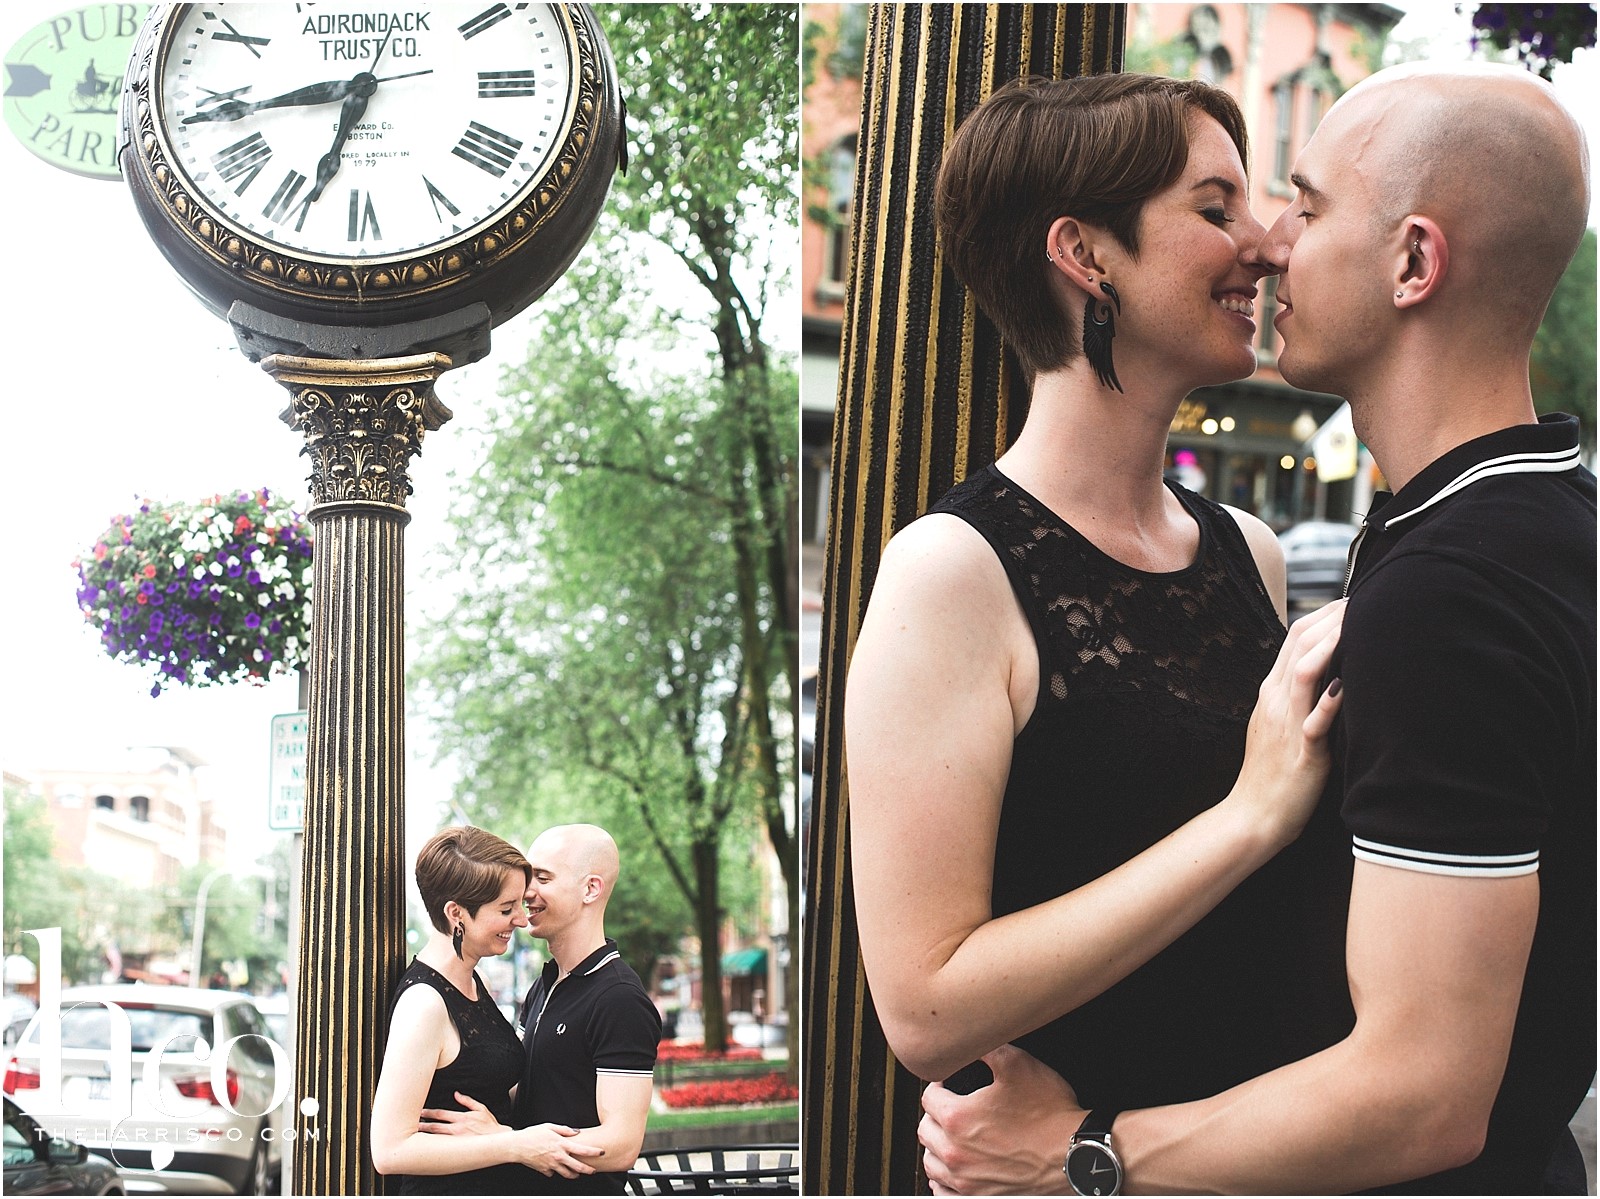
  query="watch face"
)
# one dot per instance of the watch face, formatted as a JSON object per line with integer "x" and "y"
{"x": 340, "y": 132}
{"x": 1093, "y": 1169}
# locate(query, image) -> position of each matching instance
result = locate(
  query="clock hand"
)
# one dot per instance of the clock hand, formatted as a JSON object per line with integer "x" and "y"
{"x": 354, "y": 105}
{"x": 230, "y": 109}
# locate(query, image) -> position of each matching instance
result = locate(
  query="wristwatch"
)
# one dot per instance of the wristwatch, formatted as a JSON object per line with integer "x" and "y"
{"x": 1092, "y": 1166}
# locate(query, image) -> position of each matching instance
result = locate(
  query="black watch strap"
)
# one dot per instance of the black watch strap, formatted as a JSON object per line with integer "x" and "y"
{"x": 1097, "y": 1124}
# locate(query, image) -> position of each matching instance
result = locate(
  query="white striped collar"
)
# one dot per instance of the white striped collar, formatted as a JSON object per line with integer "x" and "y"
{"x": 1550, "y": 447}
{"x": 610, "y": 957}
{"x": 1552, "y": 462}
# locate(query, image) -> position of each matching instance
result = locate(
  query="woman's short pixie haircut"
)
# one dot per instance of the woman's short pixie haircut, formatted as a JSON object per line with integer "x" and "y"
{"x": 467, "y": 865}
{"x": 1094, "y": 148}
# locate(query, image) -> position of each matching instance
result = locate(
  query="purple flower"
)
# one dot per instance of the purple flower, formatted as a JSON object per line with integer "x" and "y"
{"x": 252, "y": 621}
{"x": 253, "y": 578}
{"x": 235, "y": 571}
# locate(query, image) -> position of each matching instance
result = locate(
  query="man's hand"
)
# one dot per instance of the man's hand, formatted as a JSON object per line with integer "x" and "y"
{"x": 475, "y": 1120}
{"x": 551, "y": 1149}
{"x": 1008, "y": 1138}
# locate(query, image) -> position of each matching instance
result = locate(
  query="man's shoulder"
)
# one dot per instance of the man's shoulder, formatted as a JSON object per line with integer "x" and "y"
{"x": 1506, "y": 539}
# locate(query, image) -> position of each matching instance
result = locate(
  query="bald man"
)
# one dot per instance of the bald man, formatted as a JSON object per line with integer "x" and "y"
{"x": 1450, "y": 870}
{"x": 589, "y": 1029}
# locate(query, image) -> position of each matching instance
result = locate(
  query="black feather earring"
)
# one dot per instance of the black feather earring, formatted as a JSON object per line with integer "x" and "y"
{"x": 1099, "y": 327}
{"x": 456, "y": 937}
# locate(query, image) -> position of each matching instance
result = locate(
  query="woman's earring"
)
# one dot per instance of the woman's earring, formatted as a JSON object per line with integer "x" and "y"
{"x": 456, "y": 937}
{"x": 1099, "y": 327}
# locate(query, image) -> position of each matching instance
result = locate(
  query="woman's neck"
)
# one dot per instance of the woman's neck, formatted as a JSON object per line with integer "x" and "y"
{"x": 440, "y": 954}
{"x": 1091, "y": 455}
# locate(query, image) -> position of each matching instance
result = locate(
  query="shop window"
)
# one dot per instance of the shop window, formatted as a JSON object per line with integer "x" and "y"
{"x": 840, "y": 164}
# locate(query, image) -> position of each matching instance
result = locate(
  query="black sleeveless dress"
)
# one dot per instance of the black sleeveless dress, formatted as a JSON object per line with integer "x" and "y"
{"x": 488, "y": 1066}
{"x": 1146, "y": 685}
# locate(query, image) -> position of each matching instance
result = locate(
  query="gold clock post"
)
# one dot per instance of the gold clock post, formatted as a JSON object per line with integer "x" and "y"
{"x": 362, "y": 421}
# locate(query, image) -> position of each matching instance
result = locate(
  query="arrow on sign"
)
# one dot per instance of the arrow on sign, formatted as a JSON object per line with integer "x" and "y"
{"x": 26, "y": 80}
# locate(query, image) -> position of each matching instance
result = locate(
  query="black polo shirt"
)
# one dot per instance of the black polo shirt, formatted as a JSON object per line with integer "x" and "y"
{"x": 597, "y": 1020}
{"x": 1466, "y": 745}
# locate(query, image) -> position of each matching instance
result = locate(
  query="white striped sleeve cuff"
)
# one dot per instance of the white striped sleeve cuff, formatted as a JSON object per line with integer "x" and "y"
{"x": 1462, "y": 865}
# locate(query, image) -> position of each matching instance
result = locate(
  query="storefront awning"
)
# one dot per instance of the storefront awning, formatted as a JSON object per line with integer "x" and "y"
{"x": 745, "y": 961}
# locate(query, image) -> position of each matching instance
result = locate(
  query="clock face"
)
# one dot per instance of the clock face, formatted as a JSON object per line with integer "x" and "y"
{"x": 340, "y": 132}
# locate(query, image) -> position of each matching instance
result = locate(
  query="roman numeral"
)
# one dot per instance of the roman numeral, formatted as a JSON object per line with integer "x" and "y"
{"x": 243, "y": 160}
{"x": 487, "y": 148}
{"x": 494, "y": 84}
{"x": 362, "y": 218}
{"x": 282, "y": 202}
{"x": 484, "y": 20}
{"x": 233, "y": 35}
{"x": 438, "y": 198}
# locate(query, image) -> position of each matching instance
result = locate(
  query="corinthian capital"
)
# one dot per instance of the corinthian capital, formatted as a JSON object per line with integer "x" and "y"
{"x": 362, "y": 420}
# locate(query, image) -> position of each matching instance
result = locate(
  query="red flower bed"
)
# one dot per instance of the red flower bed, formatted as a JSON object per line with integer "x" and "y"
{"x": 673, "y": 1051}
{"x": 769, "y": 1088}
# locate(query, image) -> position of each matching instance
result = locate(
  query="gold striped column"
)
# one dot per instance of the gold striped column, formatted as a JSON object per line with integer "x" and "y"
{"x": 363, "y": 421}
{"x": 927, "y": 394}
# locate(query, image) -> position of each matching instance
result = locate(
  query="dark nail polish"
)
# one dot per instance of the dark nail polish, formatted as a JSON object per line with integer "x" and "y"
{"x": 1335, "y": 687}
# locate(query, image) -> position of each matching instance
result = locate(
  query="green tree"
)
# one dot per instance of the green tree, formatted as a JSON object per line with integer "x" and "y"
{"x": 43, "y": 892}
{"x": 36, "y": 884}
{"x": 1563, "y": 367}
{"x": 630, "y": 590}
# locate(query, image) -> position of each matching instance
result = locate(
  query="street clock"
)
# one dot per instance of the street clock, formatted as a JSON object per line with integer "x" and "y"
{"x": 349, "y": 166}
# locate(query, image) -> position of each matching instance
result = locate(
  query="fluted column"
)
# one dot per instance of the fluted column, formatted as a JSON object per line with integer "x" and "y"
{"x": 362, "y": 421}
{"x": 927, "y": 394}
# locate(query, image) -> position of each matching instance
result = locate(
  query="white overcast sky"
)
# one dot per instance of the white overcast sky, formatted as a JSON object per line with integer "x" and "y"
{"x": 119, "y": 384}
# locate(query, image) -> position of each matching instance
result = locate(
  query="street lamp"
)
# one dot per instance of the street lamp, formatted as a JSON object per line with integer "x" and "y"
{"x": 200, "y": 925}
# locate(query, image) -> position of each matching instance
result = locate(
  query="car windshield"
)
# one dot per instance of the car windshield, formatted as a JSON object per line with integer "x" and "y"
{"x": 88, "y": 1026}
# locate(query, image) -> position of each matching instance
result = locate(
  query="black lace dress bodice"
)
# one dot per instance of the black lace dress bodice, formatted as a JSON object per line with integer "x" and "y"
{"x": 487, "y": 1067}
{"x": 1146, "y": 685}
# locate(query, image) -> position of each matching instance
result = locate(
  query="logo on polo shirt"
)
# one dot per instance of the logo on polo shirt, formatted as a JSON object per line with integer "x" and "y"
{"x": 560, "y": 1028}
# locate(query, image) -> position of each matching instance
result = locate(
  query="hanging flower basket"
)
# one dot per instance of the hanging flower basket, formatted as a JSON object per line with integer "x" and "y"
{"x": 214, "y": 592}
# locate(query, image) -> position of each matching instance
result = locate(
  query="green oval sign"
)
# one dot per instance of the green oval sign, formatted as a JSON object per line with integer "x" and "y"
{"x": 63, "y": 84}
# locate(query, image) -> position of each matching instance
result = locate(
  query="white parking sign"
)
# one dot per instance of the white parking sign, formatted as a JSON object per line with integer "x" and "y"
{"x": 286, "y": 774}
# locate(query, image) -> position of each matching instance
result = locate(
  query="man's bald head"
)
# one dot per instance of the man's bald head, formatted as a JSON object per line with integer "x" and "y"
{"x": 582, "y": 849}
{"x": 1490, "y": 154}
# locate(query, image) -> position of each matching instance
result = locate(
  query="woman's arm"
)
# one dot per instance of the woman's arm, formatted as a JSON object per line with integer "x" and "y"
{"x": 941, "y": 681}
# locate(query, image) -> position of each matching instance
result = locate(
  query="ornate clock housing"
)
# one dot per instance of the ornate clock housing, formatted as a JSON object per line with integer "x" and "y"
{"x": 335, "y": 164}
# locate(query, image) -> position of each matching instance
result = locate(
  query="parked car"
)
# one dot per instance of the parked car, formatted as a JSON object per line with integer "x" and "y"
{"x": 1315, "y": 553}
{"x": 274, "y": 1011}
{"x": 181, "y": 1139}
{"x": 15, "y": 1012}
{"x": 38, "y": 1164}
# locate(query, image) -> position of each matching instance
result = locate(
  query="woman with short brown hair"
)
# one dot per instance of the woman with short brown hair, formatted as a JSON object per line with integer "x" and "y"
{"x": 1052, "y": 794}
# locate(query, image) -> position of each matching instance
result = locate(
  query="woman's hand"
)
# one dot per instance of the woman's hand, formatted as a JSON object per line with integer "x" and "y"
{"x": 553, "y": 1149}
{"x": 1286, "y": 749}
